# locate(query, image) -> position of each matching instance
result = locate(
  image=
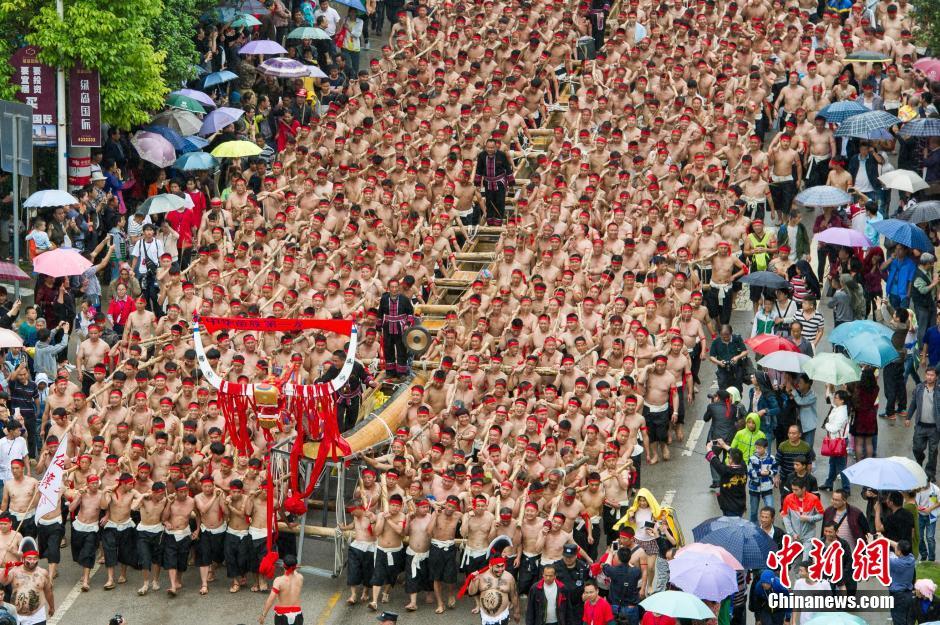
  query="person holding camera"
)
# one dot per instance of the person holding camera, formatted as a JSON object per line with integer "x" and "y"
{"x": 145, "y": 259}
{"x": 732, "y": 482}
{"x": 729, "y": 353}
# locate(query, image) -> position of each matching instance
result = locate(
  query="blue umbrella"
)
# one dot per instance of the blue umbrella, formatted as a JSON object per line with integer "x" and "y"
{"x": 195, "y": 160}
{"x": 868, "y": 349}
{"x": 193, "y": 144}
{"x": 823, "y": 195}
{"x": 767, "y": 279}
{"x": 905, "y": 233}
{"x": 217, "y": 78}
{"x": 863, "y": 124}
{"x": 219, "y": 119}
{"x": 922, "y": 127}
{"x": 708, "y": 526}
{"x": 748, "y": 544}
{"x": 176, "y": 139}
{"x": 353, "y": 4}
{"x": 859, "y": 327}
{"x": 838, "y": 112}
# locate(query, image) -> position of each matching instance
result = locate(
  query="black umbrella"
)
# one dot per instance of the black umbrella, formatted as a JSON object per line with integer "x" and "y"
{"x": 766, "y": 279}
{"x": 922, "y": 212}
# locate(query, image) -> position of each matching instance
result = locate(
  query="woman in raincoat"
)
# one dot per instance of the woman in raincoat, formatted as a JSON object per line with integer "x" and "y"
{"x": 759, "y": 601}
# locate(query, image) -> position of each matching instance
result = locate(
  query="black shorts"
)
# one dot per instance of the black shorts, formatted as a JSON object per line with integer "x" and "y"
{"x": 417, "y": 578}
{"x": 84, "y": 547}
{"x": 442, "y": 565}
{"x": 120, "y": 547}
{"x": 657, "y": 424}
{"x": 237, "y": 555}
{"x": 49, "y": 538}
{"x": 679, "y": 400}
{"x": 471, "y": 564}
{"x": 149, "y": 549}
{"x": 176, "y": 552}
{"x": 210, "y": 548}
{"x": 388, "y": 565}
{"x": 280, "y": 619}
{"x": 359, "y": 565}
{"x": 528, "y": 573}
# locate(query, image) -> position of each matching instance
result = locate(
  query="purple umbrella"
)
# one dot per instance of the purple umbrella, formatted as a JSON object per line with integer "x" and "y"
{"x": 704, "y": 576}
{"x": 284, "y": 68}
{"x": 219, "y": 119}
{"x": 153, "y": 148}
{"x": 843, "y": 236}
{"x": 198, "y": 96}
{"x": 262, "y": 46}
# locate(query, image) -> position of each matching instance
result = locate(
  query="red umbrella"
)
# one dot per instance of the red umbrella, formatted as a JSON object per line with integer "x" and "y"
{"x": 764, "y": 344}
{"x": 9, "y": 271}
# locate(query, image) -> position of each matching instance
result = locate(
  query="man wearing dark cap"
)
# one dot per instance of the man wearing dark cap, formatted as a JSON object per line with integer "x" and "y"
{"x": 572, "y": 572}
{"x": 350, "y": 395}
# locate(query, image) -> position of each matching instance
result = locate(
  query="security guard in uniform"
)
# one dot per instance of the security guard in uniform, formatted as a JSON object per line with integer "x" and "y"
{"x": 572, "y": 572}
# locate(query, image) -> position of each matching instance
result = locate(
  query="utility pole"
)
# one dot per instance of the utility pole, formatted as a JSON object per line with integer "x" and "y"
{"x": 61, "y": 145}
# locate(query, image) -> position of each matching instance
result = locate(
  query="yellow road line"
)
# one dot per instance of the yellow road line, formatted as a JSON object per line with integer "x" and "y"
{"x": 328, "y": 610}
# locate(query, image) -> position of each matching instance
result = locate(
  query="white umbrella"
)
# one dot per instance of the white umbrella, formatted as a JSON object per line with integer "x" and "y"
{"x": 784, "y": 361}
{"x": 903, "y": 180}
{"x": 9, "y": 338}
{"x": 911, "y": 465}
{"x": 316, "y": 72}
{"x": 52, "y": 197}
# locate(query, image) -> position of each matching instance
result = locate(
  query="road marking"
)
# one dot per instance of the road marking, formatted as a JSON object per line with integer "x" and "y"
{"x": 668, "y": 496}
{"x": 70, "y": 598}
{"x": 325, "y": 614}
{"x": 692, "y": 440}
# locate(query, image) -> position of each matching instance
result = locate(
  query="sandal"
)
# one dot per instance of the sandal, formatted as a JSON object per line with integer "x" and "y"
{"x": 351, "y": 601}
{"x": 171, "y": 592}
{"x": 411, "y": 608}
{"x": 204, "y": 590}
{"x": 439, "y": 611}
{"x": 373, "y": 606}
{"x": 254, "y": 588}
{"x": 109, "y": 586}
{"x": 84, "y": 587}
{"x": 234, "y": 587}
{"x": 142, "y": 590}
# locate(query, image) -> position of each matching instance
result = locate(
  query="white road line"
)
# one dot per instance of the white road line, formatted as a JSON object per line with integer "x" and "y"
{"x": 692, "y": 440}
{"x": 70, "y": 598}
{"x": 668, "y": 496}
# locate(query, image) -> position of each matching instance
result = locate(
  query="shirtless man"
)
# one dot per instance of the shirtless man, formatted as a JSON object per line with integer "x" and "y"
{"x": 141, "y": 320}
{"x": 725, "y": 270}
{"x": 92, "y": 351}
{"x": 442, "y": 561}
{"x": 418, "y": 577}
{"x": 587, "y": 529}
{"x": 30, "y": 585}
{"x": 389, "y": 529}
{"x": 527, "y": 560}
{"x": 86, "y": 506}
{"x": 20, "y": 498}
{"x": 177, "y": 536}
{"x": 554, "y": 538}
{"x": 822, "y": 145}
{"x": 361, "y": 555}
{"x": 499, "y": 598}
{"x": 783, "y": 159}
{"x": 661, "y": 408}
{"x": 118, "y": 534}
{"x": 285, "y": 595}
{"x": 475, "y": 527}
{"x": 211, "y": 517}
{"x": 150, "y": 535}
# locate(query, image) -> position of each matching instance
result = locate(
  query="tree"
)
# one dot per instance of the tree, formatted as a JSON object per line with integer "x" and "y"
{"x": 927, "y": 24}
{"x": 175, "y": 38}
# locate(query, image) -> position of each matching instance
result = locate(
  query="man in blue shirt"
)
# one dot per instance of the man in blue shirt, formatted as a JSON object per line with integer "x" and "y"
{"x": 902, "y": 566}
{"x": 930, "y": 351}
{"x": 901, "y": 268}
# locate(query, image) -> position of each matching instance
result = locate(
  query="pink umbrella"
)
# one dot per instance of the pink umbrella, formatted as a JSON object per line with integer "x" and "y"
{"x": 929, "y": 66}
{"x": 154, "y": 148}
{"x": 843, "y": 236}
{"x": 61, "y": 262}
{"x": 713, "y": 550}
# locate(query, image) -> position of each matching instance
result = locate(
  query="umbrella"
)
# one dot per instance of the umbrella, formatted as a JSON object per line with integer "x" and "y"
{"x": 911, "y": 465}
{"x": 903, "y": 180}
{"x": 47, "y": 199}
{"x": 176, "y": 139}
{"x": 262, "y": 46}
{"x": 764, "y": 344}
{"x": 929, "y": 66}
{"x": 677, "y": 604}
{"x": 833, "y": 369}
{"x": 838, "y": 112}
{"x": 61, "y": 262}
{"x": 923, "y": 127}
{"x": 868, "y": 349}
{"x": 161, "y": 203}
{"x": 862, "y": 124}
{"x": 767, "y": 279}
{"x": 308, "y": 32}
{"x": 193, "y": 144}
{"x": 704, "y": 576}
{"x": 153, "y": 148}
{"x": 882, "y": 474}
{"x": 708, "y": 526}
{"x": 284, "y": 68}
{"x": 866, "y": 56}
{"x": 219, "y": 119}
{"x": 9, "y": 338}
{"x": 203, "y": 98}
{"x": 217, "y": 78}
{"x": 784, "y": 361}
{"x": 186, "y": 103}
{"x": 922, "y": 212}
{"x": 720, "y": 552}
{"x": 747, "y": 543}
{"x": 823, "y": 195}
{"x": 182, "y": 122}
{"x": 236, "y": 149}
{"x": 194, "y": 161}
{"x": 837, "y": 618}
{"x": 12, "y": 273}
{"x": 353, "y": 4}
{"x": 844, "y": 332}
{"x": 315, "y": 72}
{"x": 245, "y": 20}
{"x": 843, "y": 236}
{"x": 905, "y": 233}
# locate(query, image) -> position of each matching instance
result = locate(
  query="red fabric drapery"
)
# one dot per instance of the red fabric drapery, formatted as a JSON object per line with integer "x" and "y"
{"x": 214, "y": 324}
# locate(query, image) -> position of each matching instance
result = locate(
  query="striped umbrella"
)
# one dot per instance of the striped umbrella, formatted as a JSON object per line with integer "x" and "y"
{"x": 838, "y": 112}
{"x": 11, "y": 273}
{"x": 922, "y": 212}
{"x": 863, "y": 124}
{"x": 282, "y": 67}
{"x": 921, "y": 127}
{"x": 823, "y": 195}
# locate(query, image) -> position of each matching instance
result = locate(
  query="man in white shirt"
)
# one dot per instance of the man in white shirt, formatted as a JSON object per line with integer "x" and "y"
{"x": 145, "y": 259}
{"x": 331, "y": 15}
{"x": 12, "y": 447}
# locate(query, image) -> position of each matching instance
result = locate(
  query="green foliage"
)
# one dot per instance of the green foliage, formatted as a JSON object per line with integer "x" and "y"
{"x": 927, "y": 24}
{"x": 175, "y": 38}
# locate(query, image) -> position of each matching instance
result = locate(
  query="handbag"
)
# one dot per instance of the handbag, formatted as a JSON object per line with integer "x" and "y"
{"x": 834, "y": 447}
